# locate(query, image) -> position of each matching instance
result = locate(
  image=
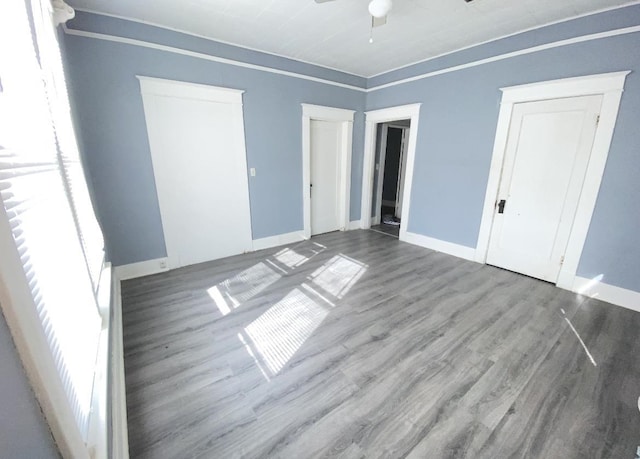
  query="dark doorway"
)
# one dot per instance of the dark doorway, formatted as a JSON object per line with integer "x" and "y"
{"x": 391, "y": 143}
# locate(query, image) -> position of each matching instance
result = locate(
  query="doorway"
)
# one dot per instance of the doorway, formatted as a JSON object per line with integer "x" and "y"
{"x": 326, "y": 163}
{"x": 544, "y": 168}
{"x": 368, "y": 204}
{"x": 325, "y": 176}
{"x": 196, "y": 138}
{"x": 392, "y": 140}
{"x": 550, "y": 151}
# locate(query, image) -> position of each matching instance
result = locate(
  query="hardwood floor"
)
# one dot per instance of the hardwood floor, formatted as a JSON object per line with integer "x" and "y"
{"x": 356, "y": 345}
{"x": 391, "y": 230}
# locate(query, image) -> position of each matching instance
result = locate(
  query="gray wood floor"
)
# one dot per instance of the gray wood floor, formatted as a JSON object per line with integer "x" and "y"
{"x": 391, "y": 230}
{"x": 358, "y": 345}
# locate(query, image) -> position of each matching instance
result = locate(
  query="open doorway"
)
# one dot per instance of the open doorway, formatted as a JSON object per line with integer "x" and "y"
{"x": 373, "y": 118}
{"x": 326, "y": 168}
{"x": 392, "y": 140}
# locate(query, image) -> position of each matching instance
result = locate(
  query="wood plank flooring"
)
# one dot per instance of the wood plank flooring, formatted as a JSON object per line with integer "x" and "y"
{"x": 358, "y": 345}
{"x": 391, "y": 230}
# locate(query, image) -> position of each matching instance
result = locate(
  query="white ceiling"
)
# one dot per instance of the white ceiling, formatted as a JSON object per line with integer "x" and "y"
{"x": 336, "y": 34}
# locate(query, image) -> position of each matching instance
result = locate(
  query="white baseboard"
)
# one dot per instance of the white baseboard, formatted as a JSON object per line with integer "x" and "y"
{"x": 565, "y": 280}
{"x": 119, "y": 433}
{"x": 278, "y": 240}
{"x": 354, "y": 225}
{"x": 158, "y": 265}
{"x": 142, "y": 268}
{"x": 438, "y": 245}
{"x": 610, "y": 293}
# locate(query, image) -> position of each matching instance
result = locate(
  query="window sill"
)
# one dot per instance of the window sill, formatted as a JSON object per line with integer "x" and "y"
{"x": 107, "y": 435}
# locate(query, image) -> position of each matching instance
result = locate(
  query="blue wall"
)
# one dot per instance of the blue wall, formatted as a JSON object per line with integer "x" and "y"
{"x": 455, "y": 136}
{"x": 106, "y": 96}
{"x": 457, "y": 127}
{"x": 23, "y": 428}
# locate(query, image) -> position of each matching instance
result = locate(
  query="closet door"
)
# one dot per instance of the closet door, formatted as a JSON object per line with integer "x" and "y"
{"x": 196, "y": 136}
{"x": 325, "y": 176}
{"x": 543, "y": 173}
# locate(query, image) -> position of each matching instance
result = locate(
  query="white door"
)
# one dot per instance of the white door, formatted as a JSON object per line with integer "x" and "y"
{"x": 546, "y": 159}
{"x": 325, "y": 175}
{"x": 199, "y": 164}
{"x": 401, "y": 172}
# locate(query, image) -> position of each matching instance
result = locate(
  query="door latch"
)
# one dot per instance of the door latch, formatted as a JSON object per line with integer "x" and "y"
{"x": 501, "y": 204}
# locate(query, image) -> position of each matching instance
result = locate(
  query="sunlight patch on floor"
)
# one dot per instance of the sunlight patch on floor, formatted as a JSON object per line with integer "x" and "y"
{"x": 316, "y": 293}
{"x": 280, "y": 331}
{"x": 253, "y": 356}
{"x": 294, "y": 258}
{"x": 338, "y": 275}
{"x": 584, "y": 346}
{"x": 242, "y": 287}
{"x": 290, "y": 258}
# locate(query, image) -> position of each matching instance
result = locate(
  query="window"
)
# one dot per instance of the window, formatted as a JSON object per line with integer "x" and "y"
{"x": 46, "y": 205}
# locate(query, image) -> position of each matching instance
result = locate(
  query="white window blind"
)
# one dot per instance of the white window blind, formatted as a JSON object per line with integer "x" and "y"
{"x": 45, "y": 196}
{"x": 53, "y": 75}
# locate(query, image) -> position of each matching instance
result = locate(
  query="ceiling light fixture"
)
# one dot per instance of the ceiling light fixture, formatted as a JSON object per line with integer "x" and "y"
{"x": 379, "y": 8}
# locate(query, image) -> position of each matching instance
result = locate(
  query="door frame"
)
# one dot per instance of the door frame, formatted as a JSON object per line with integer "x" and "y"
{"x": 373, "y": 118}
{"x": 610, "y": 86}
{"x": 377, "y": 218}
{"x": 402, "y": 170}
{"x": 187, "y": 90}
{"x": 345, "y": 117}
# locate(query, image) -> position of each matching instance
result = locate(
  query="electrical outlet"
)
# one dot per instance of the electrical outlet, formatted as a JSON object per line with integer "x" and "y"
{"x": 163, "y": 264}
{"x": 252, "y": 171}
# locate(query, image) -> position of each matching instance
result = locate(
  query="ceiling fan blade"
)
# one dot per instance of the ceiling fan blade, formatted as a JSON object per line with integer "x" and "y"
{"x": 377, "y": 22}
{"x": 323, "y": 1}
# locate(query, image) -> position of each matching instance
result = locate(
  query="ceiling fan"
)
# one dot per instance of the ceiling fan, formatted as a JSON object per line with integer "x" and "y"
{"x": 377, "y": 8}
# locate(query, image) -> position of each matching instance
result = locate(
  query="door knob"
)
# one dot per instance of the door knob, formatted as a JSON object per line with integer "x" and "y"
{"x": 501, "y": 204}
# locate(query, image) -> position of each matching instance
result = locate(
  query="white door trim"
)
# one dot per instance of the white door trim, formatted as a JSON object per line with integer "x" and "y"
{"x": 321, "y": 113}
{"x": 186, "y": 90}
{"x": 377, "y": 218}
{"x": 411, "y": 112}
{"x": 610, "y": 85}
{"x": 402, "y": 170}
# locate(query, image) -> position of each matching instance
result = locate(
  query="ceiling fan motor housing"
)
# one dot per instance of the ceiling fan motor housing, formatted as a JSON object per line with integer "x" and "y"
{"x": 379, "y": 8}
